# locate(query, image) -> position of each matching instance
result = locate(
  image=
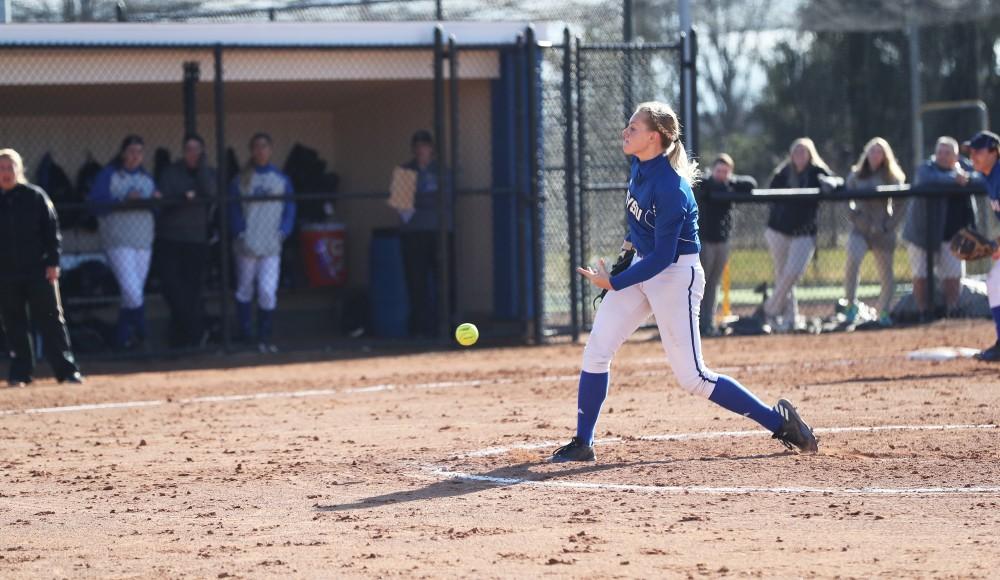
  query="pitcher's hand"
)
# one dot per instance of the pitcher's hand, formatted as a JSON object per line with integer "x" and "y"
{"x": 598, "y": 277}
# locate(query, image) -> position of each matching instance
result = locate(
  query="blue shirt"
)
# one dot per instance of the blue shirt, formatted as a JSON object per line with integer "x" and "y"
{"x": 992, "y": 184}
{"x": 662, "y": 219}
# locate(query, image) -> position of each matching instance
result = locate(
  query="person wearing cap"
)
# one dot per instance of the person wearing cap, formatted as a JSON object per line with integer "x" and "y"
{"x": 420, "y": 221}
{"x": 984, "y": 150}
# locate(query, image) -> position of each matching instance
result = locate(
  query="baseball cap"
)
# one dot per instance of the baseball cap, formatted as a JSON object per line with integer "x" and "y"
{"x": 421, "y": 136}
{"x": 984, "y": 140}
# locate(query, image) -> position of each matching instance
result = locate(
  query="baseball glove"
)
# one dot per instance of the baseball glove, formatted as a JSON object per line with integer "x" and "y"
{"x": 969, "y": 244}
{"x": 621, "y": 264}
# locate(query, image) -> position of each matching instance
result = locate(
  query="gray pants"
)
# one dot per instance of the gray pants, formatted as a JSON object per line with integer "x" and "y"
{"x": 714, "y": 256}
{"x": 882, "y": 247}
{"x": 791, "y": 255}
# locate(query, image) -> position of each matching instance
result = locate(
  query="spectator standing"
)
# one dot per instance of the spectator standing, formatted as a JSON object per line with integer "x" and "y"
{"x": 182, "y": 240}
{"x": 419, "y": 234}
{"x": 947, "y": 216}
{"x": 127, "y": 234}
{"x": 791, "y": 230}
{"x": 874, "y": 223}
{"x": 715, "y": 222}
{"x": 29, "y": 276}
{"x": 260, "y": 228}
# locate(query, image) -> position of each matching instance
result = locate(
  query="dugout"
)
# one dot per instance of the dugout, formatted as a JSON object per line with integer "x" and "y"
{"x": 354, "y": 92}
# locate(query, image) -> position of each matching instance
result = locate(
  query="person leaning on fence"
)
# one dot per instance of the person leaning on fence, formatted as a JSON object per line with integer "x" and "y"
{"x": 259, "y": 229}
{"x": 414, "y": 196}
{"x": 29, "y": 276}
{"x": 126, "y": 234}
{"x": 182, "y": 240}
{"x": 923, "y": 232}
{"x": 715, "y": 222}
{"x": 874, "y": 223}
{"x": 791, "y": 230}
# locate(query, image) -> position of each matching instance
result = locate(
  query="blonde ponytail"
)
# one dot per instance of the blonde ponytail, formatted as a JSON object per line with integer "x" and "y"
{"x": 679, "y": 160}
{"x": 662, "y": 119}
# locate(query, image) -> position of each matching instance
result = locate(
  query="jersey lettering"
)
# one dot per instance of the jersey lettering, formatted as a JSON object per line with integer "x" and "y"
{"x": 632, "y": 207}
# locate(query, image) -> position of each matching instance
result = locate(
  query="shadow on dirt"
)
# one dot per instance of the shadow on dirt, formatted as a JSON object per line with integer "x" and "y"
{"x": 469, "y": 483}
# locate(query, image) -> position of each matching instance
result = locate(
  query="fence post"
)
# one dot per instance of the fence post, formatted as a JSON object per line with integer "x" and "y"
{"x": 520, "y": 172}
{"x": 192, "y": 73}
{"x": 453, "y": 173}
{"x": 442, "y": 237}
{"x": 581, "y": 147}
{"x": 570, "y": 187}
{"x": 627, "y": 59}
{"x": 535, "y": 168}
{"x": 221, "y": 185}
{"x": 693, "y": 131}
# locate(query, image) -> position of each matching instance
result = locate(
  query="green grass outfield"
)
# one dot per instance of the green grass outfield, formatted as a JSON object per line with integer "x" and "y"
{"x": 823, "y": 280}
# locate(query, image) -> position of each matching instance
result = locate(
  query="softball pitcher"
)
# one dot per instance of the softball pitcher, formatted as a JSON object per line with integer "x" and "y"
{"x": 659, "y": 273}
{"x": 985, "y": 153}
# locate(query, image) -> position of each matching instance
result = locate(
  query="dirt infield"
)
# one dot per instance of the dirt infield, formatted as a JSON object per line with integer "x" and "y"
{"x": 432, "y": 465}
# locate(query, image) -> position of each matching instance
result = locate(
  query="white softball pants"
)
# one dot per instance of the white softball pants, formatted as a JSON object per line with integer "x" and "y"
{"x": 993, "y": 285}
{"x": 673, "y": 297}
{"x": 130, "y": 267}
{"x": 791, "y": 255}
{"x": 262, "y": 271}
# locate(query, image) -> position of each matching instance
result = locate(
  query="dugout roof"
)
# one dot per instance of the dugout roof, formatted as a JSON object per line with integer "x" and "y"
{"x": 268, "y": 34}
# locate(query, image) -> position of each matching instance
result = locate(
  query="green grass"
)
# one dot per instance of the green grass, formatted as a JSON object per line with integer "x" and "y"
{"x": 748, "y": 267}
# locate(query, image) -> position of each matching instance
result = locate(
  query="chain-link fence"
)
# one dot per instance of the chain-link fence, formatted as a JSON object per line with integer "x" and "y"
{"x": 526, "y": 183}
{"x": 99, "y": 129}
{"x": 858, "y": 263}
{"x": 312, "y": 213}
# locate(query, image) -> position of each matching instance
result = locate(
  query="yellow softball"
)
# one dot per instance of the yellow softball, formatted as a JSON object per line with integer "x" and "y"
{"x": 467, "y": 334}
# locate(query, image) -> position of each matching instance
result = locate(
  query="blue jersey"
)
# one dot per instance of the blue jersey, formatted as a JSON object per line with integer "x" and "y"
{"x": 662, "y": 219}
{"x": 992, "y": 184}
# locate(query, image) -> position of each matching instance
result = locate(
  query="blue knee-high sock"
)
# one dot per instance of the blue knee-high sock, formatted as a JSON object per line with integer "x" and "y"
{"x": 590, "y": 397}
{"x": 139, "y": 322}
{"x": 735, "y": 397}
{"x": 996, "y": 320}
{"x": 123, "y": 329}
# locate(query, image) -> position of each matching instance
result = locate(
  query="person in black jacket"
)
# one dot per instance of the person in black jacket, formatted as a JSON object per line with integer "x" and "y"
{"x": 29, "y": 275}
{"x": 791, "y": 230}
{"x": 715, "y": 221}
{"x": 182, "y": 240}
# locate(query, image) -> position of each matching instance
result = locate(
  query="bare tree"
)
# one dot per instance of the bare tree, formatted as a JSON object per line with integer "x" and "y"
{"x": 728, "y": 53}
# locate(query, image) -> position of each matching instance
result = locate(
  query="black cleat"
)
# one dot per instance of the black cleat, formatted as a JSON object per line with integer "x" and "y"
{"x": 991, "y": 354}
{"x": 794, "y": 433}
{"x": 575, "y": 450}
{"x": 74, "y": 379}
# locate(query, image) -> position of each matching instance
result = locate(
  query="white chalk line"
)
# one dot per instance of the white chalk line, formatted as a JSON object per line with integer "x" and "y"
{"x": 349, "y": 390}
{"x": 442, "y": 472}
{"x": 708, "y": 490}
{"x": 280, "y": 395}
